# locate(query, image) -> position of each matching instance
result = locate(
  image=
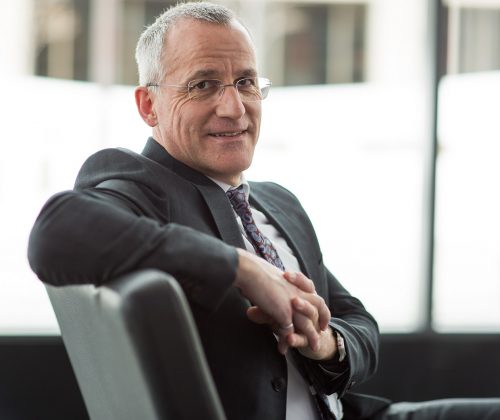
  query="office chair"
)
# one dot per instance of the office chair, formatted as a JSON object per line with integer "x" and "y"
{"x": 135, "y": 350}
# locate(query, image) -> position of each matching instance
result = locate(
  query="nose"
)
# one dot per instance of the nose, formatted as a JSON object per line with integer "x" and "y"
{"x": 229, "y": 104}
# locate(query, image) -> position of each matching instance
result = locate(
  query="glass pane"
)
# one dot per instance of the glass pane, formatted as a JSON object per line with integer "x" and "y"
{"x": 305, "y": 45}
{"x": 467, "y": 287}
{"x": 467, "y": 270}
{"x": 315, "y": 44}
{"x": 479, "y": 27}
{"x": 61, "y": 38}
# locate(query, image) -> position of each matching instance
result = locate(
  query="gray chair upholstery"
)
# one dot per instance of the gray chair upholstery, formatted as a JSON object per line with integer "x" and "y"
{"x": 135, "y": 350}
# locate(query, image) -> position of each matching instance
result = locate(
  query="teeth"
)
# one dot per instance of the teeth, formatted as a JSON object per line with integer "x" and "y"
{"x": 228, "y": 134}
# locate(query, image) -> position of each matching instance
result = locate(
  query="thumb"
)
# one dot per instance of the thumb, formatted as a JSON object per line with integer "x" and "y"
{"x": 255, "y": 314}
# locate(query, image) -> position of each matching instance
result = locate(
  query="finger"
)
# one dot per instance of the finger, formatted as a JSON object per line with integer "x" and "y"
{"x": 257, "y": 315}
{"x": 297, "y": 340}
{"x": 306, "y": 308}
{"x": 307, "y": 328}
{"x": 324, "y": 314}
{"x": 318, "y": 302}
{"x": 283, "y": 333}
{"x": 283, "y": 345}
{"x": 301, "y": 281}
{"x": 306, "y": 285}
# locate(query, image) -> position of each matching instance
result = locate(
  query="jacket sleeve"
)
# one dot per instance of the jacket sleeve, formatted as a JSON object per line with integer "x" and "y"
{"x": 361, "y": 339}
{"x": 349, "y": 317}
{"x": 93, "y": 235}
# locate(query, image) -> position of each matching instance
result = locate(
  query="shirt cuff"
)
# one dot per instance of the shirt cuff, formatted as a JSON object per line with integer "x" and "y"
{"x": 338, "y": 365}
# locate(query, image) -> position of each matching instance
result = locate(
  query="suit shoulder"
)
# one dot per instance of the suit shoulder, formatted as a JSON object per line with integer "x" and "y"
{"x": 115, "y": 163}
{"x": 273, "y": 190}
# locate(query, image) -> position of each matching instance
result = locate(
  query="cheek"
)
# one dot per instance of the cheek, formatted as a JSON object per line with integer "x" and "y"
{"x": 254, "y": 111}
{"x": 191, "y": 120}
{"x": 179, "y": 117}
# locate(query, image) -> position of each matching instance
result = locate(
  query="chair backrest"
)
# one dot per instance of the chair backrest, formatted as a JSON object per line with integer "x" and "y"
{"x": 135, "y": 350}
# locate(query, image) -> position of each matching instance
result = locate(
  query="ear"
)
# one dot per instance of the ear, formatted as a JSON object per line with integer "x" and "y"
{"x": 144, "y": 101}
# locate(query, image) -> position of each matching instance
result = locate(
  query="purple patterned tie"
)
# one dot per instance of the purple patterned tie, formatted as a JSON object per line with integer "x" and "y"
{"x": 261, "y": 244}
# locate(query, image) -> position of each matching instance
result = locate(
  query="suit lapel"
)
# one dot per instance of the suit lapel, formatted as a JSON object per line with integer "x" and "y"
{"x": 289, "y": 228}
{"x": 296, "y": 233}
{"x": 222, "y": 213}
{"x": 214, "y": 196}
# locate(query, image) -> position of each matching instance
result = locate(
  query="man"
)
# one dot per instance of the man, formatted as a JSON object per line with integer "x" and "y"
{"x": 277, "y": 342}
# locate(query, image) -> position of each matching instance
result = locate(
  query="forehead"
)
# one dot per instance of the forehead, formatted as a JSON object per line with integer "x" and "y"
{"x": 194, "y": 46}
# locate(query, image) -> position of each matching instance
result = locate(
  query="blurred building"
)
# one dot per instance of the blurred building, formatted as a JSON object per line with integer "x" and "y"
{"x": 300, "y": 42}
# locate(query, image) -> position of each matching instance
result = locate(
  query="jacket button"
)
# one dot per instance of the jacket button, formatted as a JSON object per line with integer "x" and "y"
{"x": 278, "y": 384}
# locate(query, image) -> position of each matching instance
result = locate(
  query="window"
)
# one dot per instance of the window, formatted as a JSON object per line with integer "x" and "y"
{"x": 91, "y": 41}
{"x": 316, "y": 44}
{"x": 305, "y": 43}
{"x": 61, "y": 38}
{"x": 467, "y": 270}
{"x": 474, "y": 38}
{"x": 360, "y": 134}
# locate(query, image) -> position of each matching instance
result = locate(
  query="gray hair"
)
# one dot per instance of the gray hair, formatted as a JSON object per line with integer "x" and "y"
{"x": 148, "y": 53}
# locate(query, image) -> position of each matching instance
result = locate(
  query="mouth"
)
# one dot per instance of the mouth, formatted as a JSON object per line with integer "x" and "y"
{"x": 228, "y": 134}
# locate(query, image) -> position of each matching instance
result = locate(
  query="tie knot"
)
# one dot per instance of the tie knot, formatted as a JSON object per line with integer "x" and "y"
{"x": 237, "y": 198}
{"x": 240, "y": 204}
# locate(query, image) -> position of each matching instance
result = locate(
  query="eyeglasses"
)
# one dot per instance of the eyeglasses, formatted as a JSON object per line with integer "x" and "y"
{"x": 250, "y": 89}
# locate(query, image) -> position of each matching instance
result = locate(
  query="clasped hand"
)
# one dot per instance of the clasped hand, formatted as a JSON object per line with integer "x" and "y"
{"x": 289, "y": 304}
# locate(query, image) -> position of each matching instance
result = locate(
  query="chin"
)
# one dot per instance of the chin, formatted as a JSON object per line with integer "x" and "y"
{"x": 232, "y": 170}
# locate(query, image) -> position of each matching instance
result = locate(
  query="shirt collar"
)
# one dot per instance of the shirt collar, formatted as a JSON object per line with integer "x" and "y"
{"x": 227, "y": 187}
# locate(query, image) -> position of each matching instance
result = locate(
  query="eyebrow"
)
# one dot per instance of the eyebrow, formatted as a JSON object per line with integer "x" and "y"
{"x": 210, "y": 73}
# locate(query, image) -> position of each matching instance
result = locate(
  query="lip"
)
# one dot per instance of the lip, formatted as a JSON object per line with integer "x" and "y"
{"x": 228, "y": 134}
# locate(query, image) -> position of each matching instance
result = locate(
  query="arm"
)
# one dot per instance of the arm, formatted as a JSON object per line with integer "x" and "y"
{"x": 359, "y": 331}
{"x": 90, "y": 236}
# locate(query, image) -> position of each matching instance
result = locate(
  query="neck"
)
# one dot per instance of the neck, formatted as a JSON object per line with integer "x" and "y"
{"x": 233, "y": 181}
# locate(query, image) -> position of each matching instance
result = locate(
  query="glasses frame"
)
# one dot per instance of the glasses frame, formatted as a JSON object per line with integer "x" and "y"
{"x": 263, "y": 84}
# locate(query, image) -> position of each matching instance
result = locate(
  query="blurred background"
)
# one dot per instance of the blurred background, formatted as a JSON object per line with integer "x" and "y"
{"x": 388, "y": 104}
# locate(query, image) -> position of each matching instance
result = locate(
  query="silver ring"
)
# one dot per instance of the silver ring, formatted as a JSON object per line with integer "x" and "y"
{"x": 287, "y": 327}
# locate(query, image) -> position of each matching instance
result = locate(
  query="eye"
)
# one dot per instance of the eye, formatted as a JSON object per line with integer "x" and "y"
{"x": 202, "y": 85}
{"x": 247, "y": 82}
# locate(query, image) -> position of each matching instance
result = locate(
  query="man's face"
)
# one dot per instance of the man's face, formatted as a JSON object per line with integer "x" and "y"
{"x": 216, "y": 137}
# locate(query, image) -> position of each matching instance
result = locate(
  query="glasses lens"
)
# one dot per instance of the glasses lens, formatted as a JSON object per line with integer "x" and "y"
{"x": 249, "y": 89}
{"x": 203, "y": 89}
{"x": 264, "y": 86}
{"x": 261, "y": 88}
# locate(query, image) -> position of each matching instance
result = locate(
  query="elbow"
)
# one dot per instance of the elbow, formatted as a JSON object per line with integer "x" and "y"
{"x": 47, "y": 244}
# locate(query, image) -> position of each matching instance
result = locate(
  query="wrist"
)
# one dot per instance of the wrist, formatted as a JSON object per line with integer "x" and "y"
{"x": 242, "y": 269}
{"x": 330, "y": 349}
{"x": 335, "y": 350}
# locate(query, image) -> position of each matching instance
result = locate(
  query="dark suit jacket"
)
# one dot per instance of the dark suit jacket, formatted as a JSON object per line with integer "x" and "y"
{"x": 131, "y": 211}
